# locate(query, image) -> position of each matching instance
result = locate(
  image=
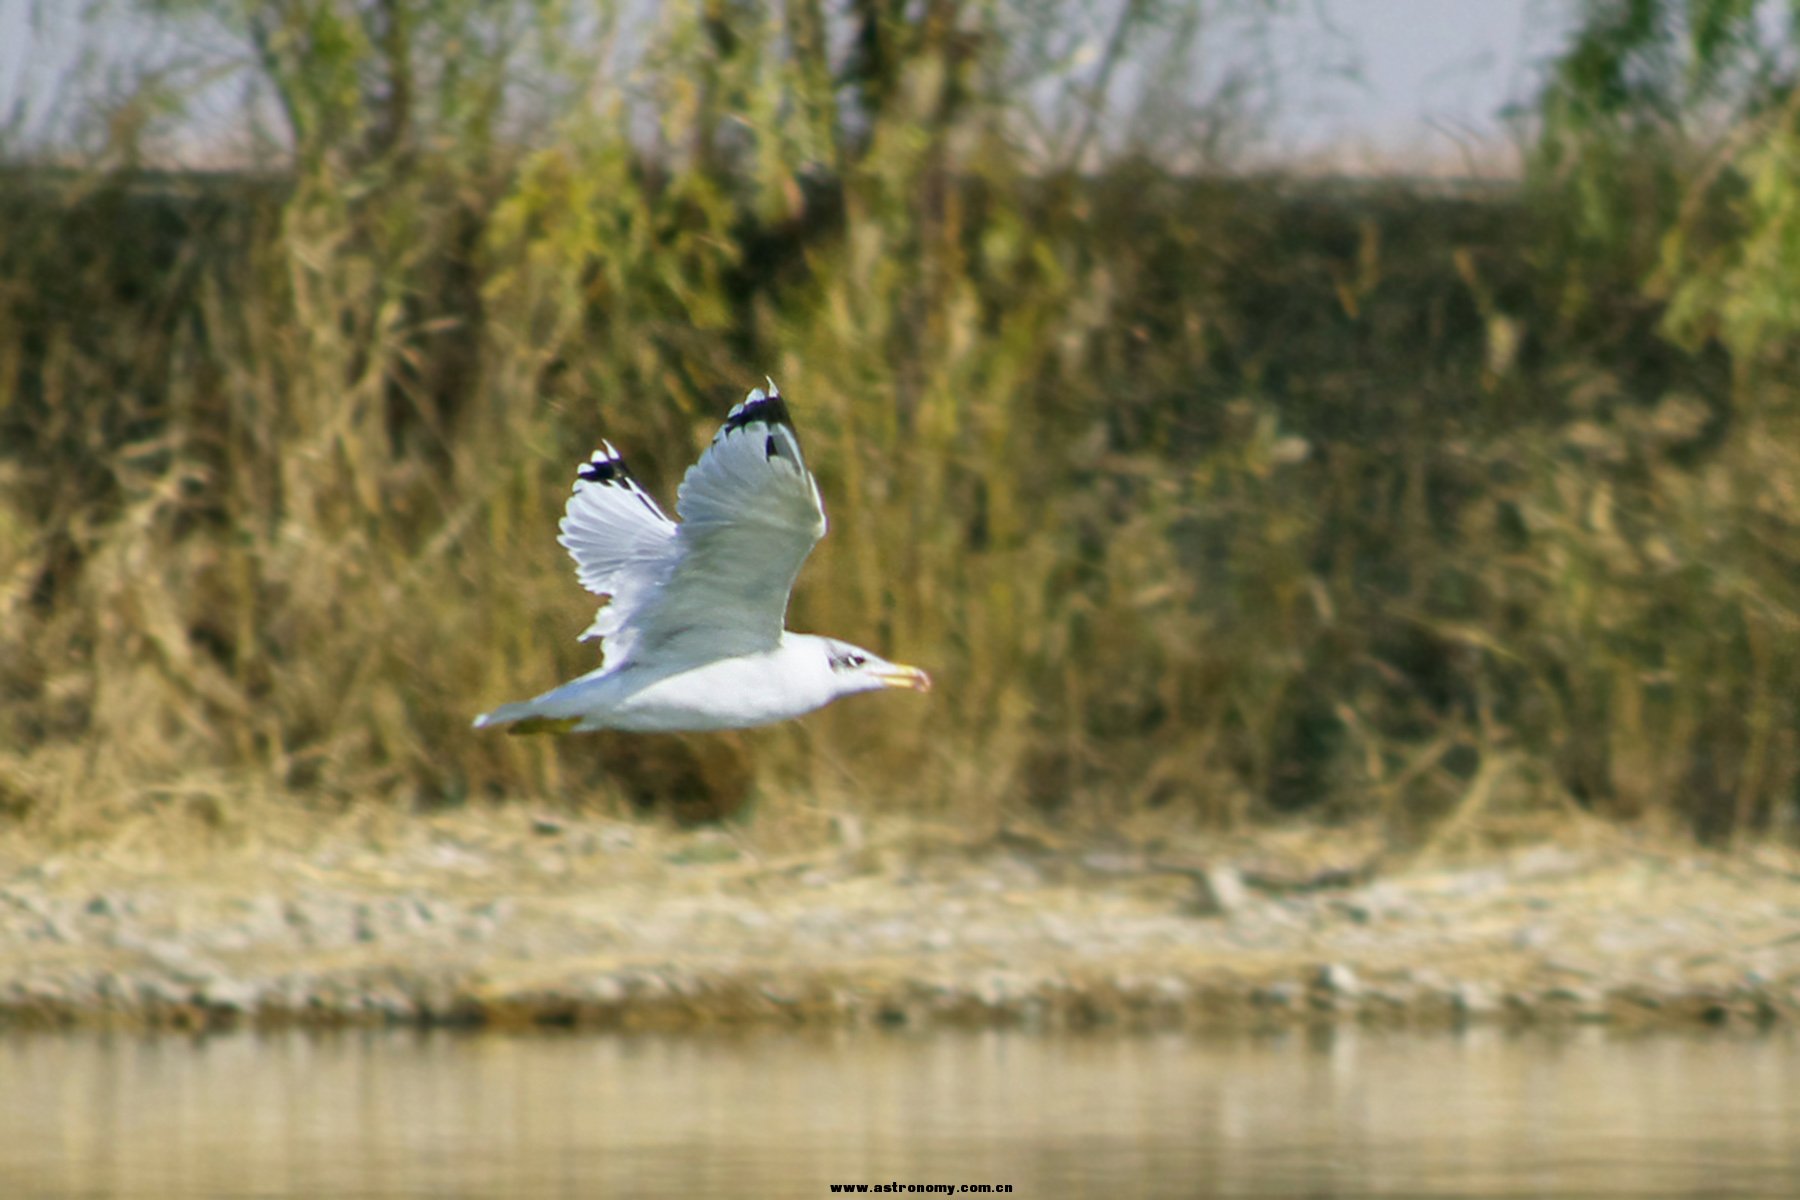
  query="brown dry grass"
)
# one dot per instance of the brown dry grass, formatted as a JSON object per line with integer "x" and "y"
{"x": 1205, "y": 503}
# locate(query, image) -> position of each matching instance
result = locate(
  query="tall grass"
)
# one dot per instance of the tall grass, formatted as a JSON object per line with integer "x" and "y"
{"x": 1204, "y": 501}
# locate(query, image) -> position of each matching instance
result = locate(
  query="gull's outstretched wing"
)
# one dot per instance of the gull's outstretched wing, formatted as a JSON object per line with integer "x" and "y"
{"x": 622, "y": 544}
{"x": 717, "y": 584}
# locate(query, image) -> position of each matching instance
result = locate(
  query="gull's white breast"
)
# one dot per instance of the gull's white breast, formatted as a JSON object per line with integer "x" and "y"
{"x": 726, "y": 693}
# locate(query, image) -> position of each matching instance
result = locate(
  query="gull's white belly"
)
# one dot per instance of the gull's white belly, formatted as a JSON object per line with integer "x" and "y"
{"x": 729, "y": 693}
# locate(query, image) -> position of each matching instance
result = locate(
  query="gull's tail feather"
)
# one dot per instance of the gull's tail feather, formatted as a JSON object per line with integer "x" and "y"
{"x": 559, "y": 710}
{"x": 525, "y": 717}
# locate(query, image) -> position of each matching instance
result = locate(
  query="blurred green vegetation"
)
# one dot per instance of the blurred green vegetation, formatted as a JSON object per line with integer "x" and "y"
{"x": 1205, "y": 498}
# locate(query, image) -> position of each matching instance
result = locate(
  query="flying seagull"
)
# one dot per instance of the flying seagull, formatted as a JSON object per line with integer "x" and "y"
{"x": 694, "y": 636}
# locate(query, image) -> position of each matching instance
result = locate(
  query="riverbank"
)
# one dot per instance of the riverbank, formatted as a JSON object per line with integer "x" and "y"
{"x": 503, "y": 918}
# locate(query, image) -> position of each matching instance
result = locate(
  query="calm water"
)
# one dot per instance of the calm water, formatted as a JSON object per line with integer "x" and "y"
{"x": 1344, "y": 1114}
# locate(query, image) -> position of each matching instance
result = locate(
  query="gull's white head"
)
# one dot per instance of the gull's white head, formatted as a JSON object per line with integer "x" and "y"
{"x": 854, "y": 669}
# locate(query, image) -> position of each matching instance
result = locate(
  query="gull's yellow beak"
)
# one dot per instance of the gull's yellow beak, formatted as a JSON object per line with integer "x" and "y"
{"x": 895, "y": 675}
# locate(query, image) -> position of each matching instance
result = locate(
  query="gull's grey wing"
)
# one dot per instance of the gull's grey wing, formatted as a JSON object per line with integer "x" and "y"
{"x": 622, "y": 543}
{"x": 750, "y": 514}
{"x": 717, "y": 584}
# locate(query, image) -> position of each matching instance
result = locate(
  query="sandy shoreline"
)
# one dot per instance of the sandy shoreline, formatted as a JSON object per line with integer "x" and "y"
{"x": 503, "y": 919}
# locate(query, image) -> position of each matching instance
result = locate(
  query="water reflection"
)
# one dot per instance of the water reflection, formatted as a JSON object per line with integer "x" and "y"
{"x": 1323, "y": 1114}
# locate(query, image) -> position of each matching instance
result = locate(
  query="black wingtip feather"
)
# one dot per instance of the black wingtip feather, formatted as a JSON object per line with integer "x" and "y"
{"x": 606, "y": 466}
{"x": 767, "y": 409}
{"x": 608, "y": 469}
{"x": 605, "y": 471}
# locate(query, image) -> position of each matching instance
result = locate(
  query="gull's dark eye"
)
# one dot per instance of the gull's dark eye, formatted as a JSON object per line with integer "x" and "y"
{"x": 857, "y": 660}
